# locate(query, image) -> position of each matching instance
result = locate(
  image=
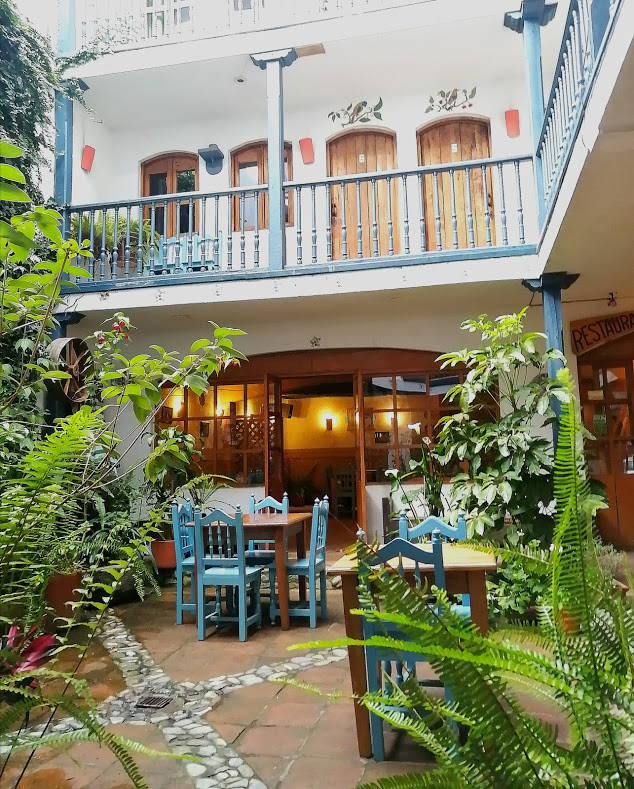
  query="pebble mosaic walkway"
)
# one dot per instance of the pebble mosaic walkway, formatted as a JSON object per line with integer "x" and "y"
{"x": 181, "y": 722}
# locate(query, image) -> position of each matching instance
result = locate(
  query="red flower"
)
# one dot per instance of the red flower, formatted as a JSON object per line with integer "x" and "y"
{"x": 37, "y": 652}
{"x": 122, "y": 324}
{"x": 471, "y": 105}
{"x": 126, "y": 336}
{"x": 101, "y": 339}
{"x": 115, "y": 326}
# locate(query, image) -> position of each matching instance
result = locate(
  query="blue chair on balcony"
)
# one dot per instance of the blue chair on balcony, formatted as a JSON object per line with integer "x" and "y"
{"x": 313, "y": 567}
{"x": 260, "y": 551}
{"x": 184, "y": 546}
{"x": 220, "y": 562}
{"x": 427, "y": 527}
{"x": 385, "y": 667}
{"x": 173, "y": 252}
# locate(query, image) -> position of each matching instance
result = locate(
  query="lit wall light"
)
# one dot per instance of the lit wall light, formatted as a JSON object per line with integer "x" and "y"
{"x": 177, "y": 404}
{"x": 328, "y": 420}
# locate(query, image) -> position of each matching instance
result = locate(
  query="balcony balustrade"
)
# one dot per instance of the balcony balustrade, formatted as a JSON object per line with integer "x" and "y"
{"x": 586, "y": 32}
{"x": 131, "y": 23}
{"x": 464, "y": 210}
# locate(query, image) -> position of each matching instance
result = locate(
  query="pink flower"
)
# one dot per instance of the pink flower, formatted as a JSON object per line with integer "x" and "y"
{"x": 13, "y": 631}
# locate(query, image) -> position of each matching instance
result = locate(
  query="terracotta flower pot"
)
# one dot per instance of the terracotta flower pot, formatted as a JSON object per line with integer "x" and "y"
{"x": 61, "y": 590}
{"x": 164, "y": 553}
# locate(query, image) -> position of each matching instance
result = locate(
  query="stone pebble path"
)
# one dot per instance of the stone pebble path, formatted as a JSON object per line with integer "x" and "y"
{"x": 181, "y": 722}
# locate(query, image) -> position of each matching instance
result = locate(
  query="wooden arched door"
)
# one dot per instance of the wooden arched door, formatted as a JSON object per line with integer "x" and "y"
{"x": 457, "y": 140}
{"x": 376, "y": 219}
{"x": 170, "y": 174}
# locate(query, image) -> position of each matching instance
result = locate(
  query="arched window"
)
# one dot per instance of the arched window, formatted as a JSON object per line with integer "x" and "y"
{"x": 249, "y": 167}
{"x": 171, "y": 174}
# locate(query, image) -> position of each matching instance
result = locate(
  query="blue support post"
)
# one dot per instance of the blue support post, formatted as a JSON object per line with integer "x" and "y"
{"x": 532, "y": 16}
{"x": 550, "y": 286}
{"x": 63, "y": 149}
{"x": 273, "y": 63}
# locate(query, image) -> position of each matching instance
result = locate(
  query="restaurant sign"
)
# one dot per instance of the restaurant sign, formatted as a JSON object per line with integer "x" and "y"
{"x": 590, "y": 333}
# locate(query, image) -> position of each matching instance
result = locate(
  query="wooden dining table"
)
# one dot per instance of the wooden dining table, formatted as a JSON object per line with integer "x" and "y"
{"x": 277, "y": 528}
{"x": 465, "y": 572}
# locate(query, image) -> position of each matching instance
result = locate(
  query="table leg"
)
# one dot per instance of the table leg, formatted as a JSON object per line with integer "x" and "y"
{"x": 356, "y": 659}
{"x": 301, "y": 554}
{"x": 476, "y": 581}
{"x": 282, "y": 578}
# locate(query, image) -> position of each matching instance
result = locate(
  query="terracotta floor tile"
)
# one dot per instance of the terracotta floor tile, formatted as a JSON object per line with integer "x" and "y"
{"x": 328, "y": 742}
{"x": 228, "y": 731}
{"x": 238, "y": 708}
{"x": 272, "y": 740}
{"x": 339, "y": 714}
{"x": 281, "y": 713}
{"x": 316, "y": 773}
{"x": 268, "y": 768}
{"x": 375, "y": 770}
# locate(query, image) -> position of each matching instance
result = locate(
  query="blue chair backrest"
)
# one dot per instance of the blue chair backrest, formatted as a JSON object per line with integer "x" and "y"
{"x": 219, "y": 538}
{"x": 429, "y": 525}
{"x": 183, "y": 533}
{"x": 318, "y": 530}
{"x": 269, "y": 504}
{"x": 421, "y": 555}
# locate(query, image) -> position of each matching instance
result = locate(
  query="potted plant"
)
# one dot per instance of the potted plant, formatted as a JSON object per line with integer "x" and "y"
{"x": 168, "y": 468}
{"x": 65, "y": 580}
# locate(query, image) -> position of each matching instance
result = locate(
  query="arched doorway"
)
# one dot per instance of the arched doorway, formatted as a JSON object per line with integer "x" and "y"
{"x": 606, "y": 387}
{"x": 376, "y": 217}
{"x": 301, "y": 420}
{"x": 471, "y": 200}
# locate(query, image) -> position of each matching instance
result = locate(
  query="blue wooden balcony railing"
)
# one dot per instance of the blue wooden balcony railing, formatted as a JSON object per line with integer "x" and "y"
{"x": 464, "y": 210}
{"x": 586, "y": 32}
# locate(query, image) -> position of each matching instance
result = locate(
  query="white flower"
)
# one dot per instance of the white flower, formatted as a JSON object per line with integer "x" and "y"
{"x": 552, "y": 547}
{"x": 548, "y": 509}
{"x": 415, "y": 426}
{"x": 391, "y": 472}
{"x": 520, "y": 533}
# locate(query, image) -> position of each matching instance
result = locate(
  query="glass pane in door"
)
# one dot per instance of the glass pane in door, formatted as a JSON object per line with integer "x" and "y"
{"x": 248, "y": 176}
{"x": 186, "y": 182}
{"x": 158, "y": 186}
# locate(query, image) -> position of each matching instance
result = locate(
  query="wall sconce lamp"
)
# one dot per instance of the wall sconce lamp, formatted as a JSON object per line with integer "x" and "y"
{"x": 213, "y": 158}
{"x": 328, "y": 423}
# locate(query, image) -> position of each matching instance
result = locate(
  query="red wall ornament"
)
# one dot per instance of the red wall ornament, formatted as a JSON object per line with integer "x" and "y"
{"x": 512, "y": 118}
{"x": 87, "y": 158}
{"x": 306, "y": 149}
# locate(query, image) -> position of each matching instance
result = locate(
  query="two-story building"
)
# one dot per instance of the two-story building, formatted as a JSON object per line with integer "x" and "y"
{"x": 347, "y": 180}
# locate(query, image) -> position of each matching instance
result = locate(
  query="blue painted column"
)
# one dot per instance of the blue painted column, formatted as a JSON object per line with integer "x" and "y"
{"x": 66, "y": 31}
{"x": 532, "y": 16}
{"x": 273, "y": 63}
{"x": 550, "y": 286}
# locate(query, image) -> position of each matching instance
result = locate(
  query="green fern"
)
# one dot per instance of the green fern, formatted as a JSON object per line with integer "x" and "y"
{"x": 578, "y": 657}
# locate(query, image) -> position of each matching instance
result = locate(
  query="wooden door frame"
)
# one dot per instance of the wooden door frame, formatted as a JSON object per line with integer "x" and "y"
{"x": 155, "y": 165}
{"x": 356, "y": 363}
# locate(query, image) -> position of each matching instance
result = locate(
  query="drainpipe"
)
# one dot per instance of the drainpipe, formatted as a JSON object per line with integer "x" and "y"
{"x": 550, "y": 286}
{"x": 533, "y": 15}
{"x": 273, "y": 63}
{"x": 64, "y": 114}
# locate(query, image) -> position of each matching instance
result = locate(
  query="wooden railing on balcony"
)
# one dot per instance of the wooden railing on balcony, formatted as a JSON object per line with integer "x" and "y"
{"x": 464, "y": 210}
{"x": 587, "y": 29}
{"x": 129, "y": 23}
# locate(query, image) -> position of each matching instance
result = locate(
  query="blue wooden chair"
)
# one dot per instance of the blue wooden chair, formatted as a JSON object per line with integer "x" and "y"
{"x": 220, "y": 562}
{"x": 313, "y": 568}
{"x": 184, "y": 545}
{"x": 173, "y": 252}
{"x": 427, "y": 527}
{"x": 260, "y": 551}
{"x": 381, "y": 662}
